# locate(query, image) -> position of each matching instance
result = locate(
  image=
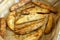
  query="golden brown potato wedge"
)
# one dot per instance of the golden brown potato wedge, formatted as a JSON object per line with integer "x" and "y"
{"x": 31, "y": 27}
{"x": 35, "y": 9}
{"x": 31, "y": 17}
{"x": 3, "y": 27}
{"x": 42, "y": 5}
{"x": 11, "y": 20}
{"x": 19, "y": 26}
{"x": 26, "y": 6}
{"x": 34, "y": 35}
{"x": 19, "y": 4}
{"x": 49, "y": 24}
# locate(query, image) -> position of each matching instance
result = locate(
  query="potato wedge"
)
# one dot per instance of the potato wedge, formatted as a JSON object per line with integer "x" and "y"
{"x": 31, "y": 27}
{"x": 30, "y": 17}
{"x": 3, "y": 27}
{"x": 19, "y": 26}
{"x": 42, "y": 5}
{"x": 26, "y": 6}
{"x": 35, "y": 9}
{"x": 19, "y": 4}
{"x": 34, "y": 35}
{"x": 49, "y": 24}
{"x": 11, "y": 20}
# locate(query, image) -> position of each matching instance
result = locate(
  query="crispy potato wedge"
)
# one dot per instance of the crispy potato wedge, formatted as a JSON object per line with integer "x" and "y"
{"x": 19, "y": 26}
{"x": 3, "y": 27}
{"x": 34, "y": 35}
{"x": 11, "y": 20}
{"x": 26, "y": 6}
{"x": 35, "y": 9}
{"x": 49, "y": 24}
{"x": 42, "y": 5}
{"x": 31, "y": 27}
{"x": 19, "y": 4}
{"x": 30, "y": 17}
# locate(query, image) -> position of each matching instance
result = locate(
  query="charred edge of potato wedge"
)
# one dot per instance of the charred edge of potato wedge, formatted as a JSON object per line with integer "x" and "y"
{"x": 11, "y": 20}
{"x": 49, "y": 24}
{"x": 42, "y": 5}
{"x": 3, "y": 27}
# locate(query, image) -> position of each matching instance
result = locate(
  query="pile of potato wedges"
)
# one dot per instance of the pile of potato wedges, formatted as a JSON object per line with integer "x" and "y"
{"x": 32, "y": 20}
